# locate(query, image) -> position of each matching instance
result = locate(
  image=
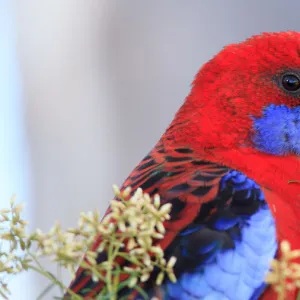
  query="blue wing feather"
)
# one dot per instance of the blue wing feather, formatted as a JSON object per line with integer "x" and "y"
{"x": 236, "y": 272}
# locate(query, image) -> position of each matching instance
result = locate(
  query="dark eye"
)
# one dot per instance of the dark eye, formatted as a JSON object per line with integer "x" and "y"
{"x": 290, "y": 82}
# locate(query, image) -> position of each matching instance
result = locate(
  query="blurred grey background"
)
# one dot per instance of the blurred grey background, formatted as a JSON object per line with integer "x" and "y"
{"x": 101, "y": 80}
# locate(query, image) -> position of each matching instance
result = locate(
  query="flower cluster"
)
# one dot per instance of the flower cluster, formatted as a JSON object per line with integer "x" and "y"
{"x": 134, "y": 224}
{"x": 129, "y": 231}
{"x": 13, "y": 240}
{"x": 285, "y": 273}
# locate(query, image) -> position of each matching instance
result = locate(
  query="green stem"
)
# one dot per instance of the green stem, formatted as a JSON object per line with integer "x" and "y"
{"x": 35, "y": 260}
{"x": 116, "y": 280}
{"x": 46, "y": 274}
{"x": 127, "y": 257}
{"x": 57, "y": 282}
{"x": 112, "y": 283}
{"x": 92, "y": 269}
{"x": 109, "y": 275}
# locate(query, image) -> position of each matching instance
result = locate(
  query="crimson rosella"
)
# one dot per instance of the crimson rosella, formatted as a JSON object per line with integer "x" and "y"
{"x": 229, "y": 164}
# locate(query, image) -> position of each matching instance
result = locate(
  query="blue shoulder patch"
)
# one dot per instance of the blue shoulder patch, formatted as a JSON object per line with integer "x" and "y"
{"x": 277, "y": 132}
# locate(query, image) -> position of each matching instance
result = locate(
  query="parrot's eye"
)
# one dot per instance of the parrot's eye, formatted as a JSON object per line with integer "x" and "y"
{"x": 290, "y": 82}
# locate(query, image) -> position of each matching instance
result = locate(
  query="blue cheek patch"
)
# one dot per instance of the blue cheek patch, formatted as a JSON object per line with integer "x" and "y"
{"x": 277, "y": 132}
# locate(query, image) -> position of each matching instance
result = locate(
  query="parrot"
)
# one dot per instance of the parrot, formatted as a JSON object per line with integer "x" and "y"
{"x": 229, "y": 164}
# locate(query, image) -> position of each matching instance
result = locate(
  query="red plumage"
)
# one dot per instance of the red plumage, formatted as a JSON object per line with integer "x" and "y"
{"x": 215, "y": 122}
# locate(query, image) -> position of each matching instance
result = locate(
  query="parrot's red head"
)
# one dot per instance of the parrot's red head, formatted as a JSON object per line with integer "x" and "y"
{"x": 244, "y": 112}
{"x": 249, "y": 96}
